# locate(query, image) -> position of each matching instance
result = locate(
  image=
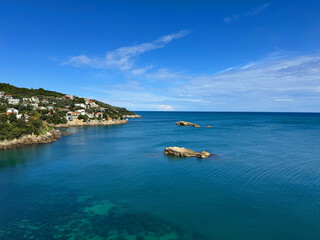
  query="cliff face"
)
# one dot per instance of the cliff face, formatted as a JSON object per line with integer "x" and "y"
{"x": 31, "y": 139}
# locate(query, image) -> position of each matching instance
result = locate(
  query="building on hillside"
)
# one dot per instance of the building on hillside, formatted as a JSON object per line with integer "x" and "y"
{"x": 26, "y": 100}
{"x": 81, "y": 105}
{"x": 92, "y": 104}
{"x": 81, "y": 112}
{"x": 68, "y": 97}
{"x": 13, "y": 101}
{"x": 99, "y": 114}
{"x": 35, "y": 99}
{"x": 69, "y": 118}
{"x": 91, "y": 115}
{"x": 34, "y": 105}
{"x": 12, "y": 110}
{"x": 7, "y": 97}
{"x": 42, "y": 108}
{"x": 45, "y": 101}
{"x": 1, "y": 94}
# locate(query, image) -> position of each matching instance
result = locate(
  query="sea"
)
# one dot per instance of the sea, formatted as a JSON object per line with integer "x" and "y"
{"x": 262, "y": 180}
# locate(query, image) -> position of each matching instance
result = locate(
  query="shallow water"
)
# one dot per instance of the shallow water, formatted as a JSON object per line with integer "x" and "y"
{"x": 114, "y": 182}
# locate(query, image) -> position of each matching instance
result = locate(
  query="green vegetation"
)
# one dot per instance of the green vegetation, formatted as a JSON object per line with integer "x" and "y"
{"x": 84, "y": 117}
{"x": 25, "y": 92}
{"x": 11, "y": 127}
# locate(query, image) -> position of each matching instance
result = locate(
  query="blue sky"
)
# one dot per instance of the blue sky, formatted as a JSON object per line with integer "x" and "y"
{"x": 167, "y": 55}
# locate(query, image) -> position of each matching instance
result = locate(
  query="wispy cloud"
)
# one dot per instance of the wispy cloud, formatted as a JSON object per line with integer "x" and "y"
{"x": 252, "y": 12}
{"x": 123, "y": 58}
{"x": 231, "y": 18}
{"x": 286, "y": 81}
{"x": 274, "y": 83}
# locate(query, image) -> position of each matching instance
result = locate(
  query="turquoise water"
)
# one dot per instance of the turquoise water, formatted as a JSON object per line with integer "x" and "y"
{"x": 114, "y": 182}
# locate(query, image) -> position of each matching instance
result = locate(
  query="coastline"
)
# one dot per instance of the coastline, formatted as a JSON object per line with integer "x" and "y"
{"x": 132, "y": 116}
{"x": 30, "y": 139}
{"x": 54, "y": 135}
{"x": 80, "y": 123}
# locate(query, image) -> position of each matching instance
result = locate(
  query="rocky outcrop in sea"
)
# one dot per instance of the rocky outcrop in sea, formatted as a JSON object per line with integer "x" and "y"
{"x": 183, "y": 123}
{"x": 184, "y": 152}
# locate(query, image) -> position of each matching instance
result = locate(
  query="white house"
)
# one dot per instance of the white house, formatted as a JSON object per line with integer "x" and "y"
{"x": 7, "y": 97}
{"x": 1, "y": 94}
{"x": 42, "y": 108}
{"x": 99, "y": 114}
{"x": 66, "y": 97}
{"x": 26, "y": 99}
{"x": 45, "y": 101}
{"x": 35, "y": 99}
{"x": 13, "y": 101}
{"x": 81, "y": 111}
{"x": 35, "y": 105}
{"x": 93, "y": 104}
{"x": 12, "y": 110}
{"x": 82, "y": 105}
{"x": 69, "y": 118}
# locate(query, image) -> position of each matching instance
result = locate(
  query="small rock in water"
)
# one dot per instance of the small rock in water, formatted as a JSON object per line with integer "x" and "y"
{"x": 183, "y": 123}
{"x": 184, "y": 152}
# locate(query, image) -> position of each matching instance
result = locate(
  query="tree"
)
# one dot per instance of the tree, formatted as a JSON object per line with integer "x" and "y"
{"x": 3, "y": 118}
{"x": 12, "y": 117}
{"x": 2, "y": 109}
{"x": 84, "y": 117}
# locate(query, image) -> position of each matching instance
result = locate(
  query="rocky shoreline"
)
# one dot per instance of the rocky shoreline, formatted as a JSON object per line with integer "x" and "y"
{"x": 48, "y": 137}
{"x": 132, "y": 116}
{"x": 54, "y": 135}
{"x": 80, "y": 123}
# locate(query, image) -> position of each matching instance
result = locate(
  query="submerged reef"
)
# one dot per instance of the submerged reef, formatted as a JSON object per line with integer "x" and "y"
{"x": 99, "y": 220}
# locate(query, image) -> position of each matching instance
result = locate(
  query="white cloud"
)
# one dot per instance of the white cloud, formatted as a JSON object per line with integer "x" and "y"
{"x": 140, "y": 71}
{"x": 283, "y": 99}
{"x": 123, "y": 58}
{"x": 271, "y": 84}
{"x": 78, "y": 61}
{"x": 164, "y": 107}
{"x": 258, "y": 9}
{"x": 234, "y": 17}
{"x": 257, "y": 85}
{"x": 164, "y": 74}
{"x": 252, "y": 12}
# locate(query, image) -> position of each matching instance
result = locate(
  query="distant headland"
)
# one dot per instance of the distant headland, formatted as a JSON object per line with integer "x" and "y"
{"x": 29, "y": 116}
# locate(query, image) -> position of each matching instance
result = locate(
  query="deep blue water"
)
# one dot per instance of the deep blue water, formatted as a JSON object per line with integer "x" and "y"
{"x": 114, "y": 182}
